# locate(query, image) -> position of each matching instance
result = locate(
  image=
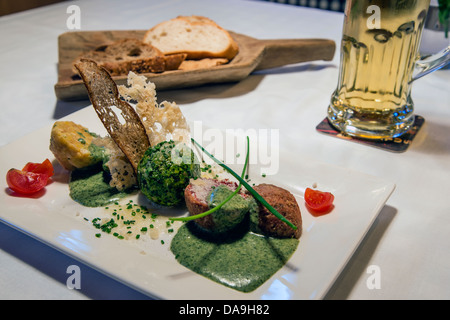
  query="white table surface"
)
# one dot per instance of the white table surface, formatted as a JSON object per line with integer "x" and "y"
{"x": 410, "y": 239}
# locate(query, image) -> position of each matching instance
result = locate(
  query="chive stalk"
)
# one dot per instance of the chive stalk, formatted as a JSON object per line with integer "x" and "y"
{"x": 204, "y": 214}
{"x": 252, "y": 191}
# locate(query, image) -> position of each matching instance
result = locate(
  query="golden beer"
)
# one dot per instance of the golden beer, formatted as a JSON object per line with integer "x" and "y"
{"x": 379, "y": 49}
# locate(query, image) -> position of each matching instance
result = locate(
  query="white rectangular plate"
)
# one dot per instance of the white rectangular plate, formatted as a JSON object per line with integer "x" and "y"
{"x": 148, "y": 266}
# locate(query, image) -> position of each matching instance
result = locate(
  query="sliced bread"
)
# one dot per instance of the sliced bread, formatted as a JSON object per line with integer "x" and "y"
{"x": 199, "y": 37}
{"x": 122, "y": 56}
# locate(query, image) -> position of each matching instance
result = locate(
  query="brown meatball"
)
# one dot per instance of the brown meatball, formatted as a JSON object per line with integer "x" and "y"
{"x": 284, "y": 202}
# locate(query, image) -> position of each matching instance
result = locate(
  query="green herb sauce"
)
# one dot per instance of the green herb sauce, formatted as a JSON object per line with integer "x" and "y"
{"x": 97, "y": 153}
{"x": 242, "y": 261}
{"x": 232, "y": 212}
{"x": 90, "y": 187}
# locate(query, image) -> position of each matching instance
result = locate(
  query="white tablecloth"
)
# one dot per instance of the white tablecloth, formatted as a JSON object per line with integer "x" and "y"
{"x": 409, "y": 241}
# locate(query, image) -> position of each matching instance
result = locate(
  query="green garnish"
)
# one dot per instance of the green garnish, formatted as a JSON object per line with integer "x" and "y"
{"x": 255, "y": 194}
{"x": 203, "y": 214}
{"x": 242, "y": 181}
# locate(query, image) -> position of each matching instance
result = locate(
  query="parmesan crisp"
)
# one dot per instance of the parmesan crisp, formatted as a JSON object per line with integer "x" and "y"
{"x": 163, "y": 121}
{"x": 122, "y": 173}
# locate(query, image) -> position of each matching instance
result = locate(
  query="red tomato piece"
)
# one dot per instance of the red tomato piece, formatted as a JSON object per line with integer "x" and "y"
{"x": 45, "y": 167}
{"x": 30, "y": 166}
{"x": 318, "y": 201}
{"x": 26, "y": 182}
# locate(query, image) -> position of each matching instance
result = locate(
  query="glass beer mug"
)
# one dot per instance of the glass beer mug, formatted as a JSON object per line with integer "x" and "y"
{"x": 379, "y": 62}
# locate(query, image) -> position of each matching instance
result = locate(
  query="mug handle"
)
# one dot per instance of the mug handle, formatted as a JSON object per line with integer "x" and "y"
{"x": 430, "y": 63}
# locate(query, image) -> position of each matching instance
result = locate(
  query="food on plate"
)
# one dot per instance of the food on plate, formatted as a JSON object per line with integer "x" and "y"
{"x": 318, "y": 202}
{"x": 131, "y": 133}
{"x": 286, "y": 204}
{"x": 32, "y": 178}
{"x": 120, "y": 57}
{"x": 99, "y": 170}
{"x": 242, "y": 261}
{"x": 45, "y": 167}
{"x": 162, "y": 121}
{"x": 72, "y": 146}
{"x": 199, "y": 37}
{"x": 25, "y": 182}
{"x": 116, "y": 164}
{"x": 75, "y": 147}
{"x": 119, "y": 118}
{"x": 236, "y": 234}
{"x": 203, "y": 194}
{"x": 93, "y": 186}
{"x": 165, "y": 170}
{"x": 244, "y": 183}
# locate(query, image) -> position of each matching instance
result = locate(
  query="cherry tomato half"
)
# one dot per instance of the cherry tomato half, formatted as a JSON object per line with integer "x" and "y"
{"x": 26, "y": 182}
{"x": 318, "y": 201}
{"x": 45, "y": 167}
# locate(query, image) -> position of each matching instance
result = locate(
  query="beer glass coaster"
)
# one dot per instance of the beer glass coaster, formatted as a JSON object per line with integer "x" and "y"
{"x": 399, "y": 144}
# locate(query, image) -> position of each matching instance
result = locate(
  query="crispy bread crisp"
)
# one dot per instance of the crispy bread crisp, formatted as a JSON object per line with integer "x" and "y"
{"x": 119, "y": 118}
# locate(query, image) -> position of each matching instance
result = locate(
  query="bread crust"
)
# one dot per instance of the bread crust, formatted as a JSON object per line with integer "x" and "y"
{"x": 122, "y": 56}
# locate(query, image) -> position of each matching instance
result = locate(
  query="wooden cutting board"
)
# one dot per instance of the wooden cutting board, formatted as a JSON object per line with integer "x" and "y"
{"x": 253, "y": 55}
